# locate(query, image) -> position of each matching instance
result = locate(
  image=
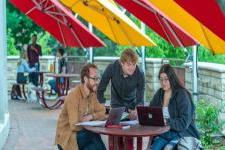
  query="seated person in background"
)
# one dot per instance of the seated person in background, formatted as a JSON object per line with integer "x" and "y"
{"x": 61, "y": 68}
{"x": 81, "y": 105}
{"x": 22, "y": 67}
{"x": 178, "y": 110}
{"x": 127, "y": 83}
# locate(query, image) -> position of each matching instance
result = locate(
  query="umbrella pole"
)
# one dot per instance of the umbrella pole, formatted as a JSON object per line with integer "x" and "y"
{"x": 143, "y": 60}
{"x": 91, "y": 56}
{"x": 195, "y": 72}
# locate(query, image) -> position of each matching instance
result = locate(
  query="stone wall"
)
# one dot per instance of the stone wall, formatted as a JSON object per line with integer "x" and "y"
{"x": 211, "y": 81}
{"x": 211, "y": 77}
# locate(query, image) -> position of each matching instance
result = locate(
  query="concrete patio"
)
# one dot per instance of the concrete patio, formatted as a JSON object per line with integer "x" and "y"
{"x": 33, "y": 127}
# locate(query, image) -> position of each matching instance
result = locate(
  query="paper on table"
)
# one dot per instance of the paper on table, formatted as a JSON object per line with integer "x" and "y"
{"x": 132, "y": 122}
{"x": 92, "y": 123}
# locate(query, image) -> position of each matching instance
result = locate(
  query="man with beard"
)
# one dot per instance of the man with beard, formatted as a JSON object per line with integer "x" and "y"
{"x": 81, "y": 105}
{"x": 127, "y": 83}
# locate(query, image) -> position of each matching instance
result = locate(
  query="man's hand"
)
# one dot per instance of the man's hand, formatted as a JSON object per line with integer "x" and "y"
{"x": 132, "y": 114}
{"x": 86, "y": 118}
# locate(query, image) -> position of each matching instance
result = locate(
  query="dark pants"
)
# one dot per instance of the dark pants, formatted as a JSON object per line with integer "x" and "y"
{"x": 87, "y": 140}
{"x": 34, "y": 76}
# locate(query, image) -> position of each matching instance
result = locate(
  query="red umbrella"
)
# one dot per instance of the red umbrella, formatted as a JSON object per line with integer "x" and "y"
{"x": 58, "y": 21}
{"x": 158, "y": 22}
{"x": 208, "y": 12}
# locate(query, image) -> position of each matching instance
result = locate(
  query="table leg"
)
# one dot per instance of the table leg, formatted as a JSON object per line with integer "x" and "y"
{"x": 111, "y": 143}
{"x": 41, "y": 79}
{"x": 139, "y": 143}
{"x": 120, "y": 143}
{"x": 129, "y": 143}
{"x": 24, "y": 93}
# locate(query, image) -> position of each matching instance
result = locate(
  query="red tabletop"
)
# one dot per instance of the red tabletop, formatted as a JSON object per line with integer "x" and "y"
{"x": 133, "y": 131}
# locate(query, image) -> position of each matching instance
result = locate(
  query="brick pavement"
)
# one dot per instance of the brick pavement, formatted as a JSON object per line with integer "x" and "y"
{"x": 33, "y": 127}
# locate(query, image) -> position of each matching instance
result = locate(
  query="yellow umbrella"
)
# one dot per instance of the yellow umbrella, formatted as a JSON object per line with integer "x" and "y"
{"x": 198, "y": 31}
{"x": 105, "y": 16}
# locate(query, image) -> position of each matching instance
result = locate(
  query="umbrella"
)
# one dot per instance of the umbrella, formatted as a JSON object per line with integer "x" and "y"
{"x": 198, "y": 31}
{"x": 157, "y": 21}
{"x": 208, "y": 12}
{"x": 59, "y": 22}
{"x": 105, "y": 16}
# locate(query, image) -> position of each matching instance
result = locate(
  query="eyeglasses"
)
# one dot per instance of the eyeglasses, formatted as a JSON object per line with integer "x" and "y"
{"x": 94, "y": 78}
{"x": 163, "y": 79}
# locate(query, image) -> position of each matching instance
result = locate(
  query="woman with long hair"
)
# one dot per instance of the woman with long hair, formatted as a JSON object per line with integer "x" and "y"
{"x": 178, "y": 110}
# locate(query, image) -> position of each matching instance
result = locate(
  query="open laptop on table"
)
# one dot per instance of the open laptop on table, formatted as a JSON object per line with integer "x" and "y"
{"x": 150, "y": 116}
{"x": 115, "y": 115}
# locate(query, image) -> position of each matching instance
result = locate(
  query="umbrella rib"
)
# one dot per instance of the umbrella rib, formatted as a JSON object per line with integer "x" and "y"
{"x": 29, "y": 11}
{"x": 125, "y": 33}
{"x": 144, "y": 6}
{"x": 112, "y": 29}
{"x": 162, "y": 27}
{"x": 46, "y": 3}
{"x": 61, "y": 33}
{"x": 49, "y": 7}
{"x": 73, "y": 32}
{"x": 77, "y": 38}
{"x": 210, "y": 45}
{"x": 55, "y": 13}
{"x": 174, "y": 34}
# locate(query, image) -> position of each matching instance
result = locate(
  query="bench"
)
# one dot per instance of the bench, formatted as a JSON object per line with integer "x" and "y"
{"x": 42, "y": 98}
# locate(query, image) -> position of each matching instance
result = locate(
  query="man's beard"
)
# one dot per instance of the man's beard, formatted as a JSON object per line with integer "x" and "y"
{"x": 91, "y": 87}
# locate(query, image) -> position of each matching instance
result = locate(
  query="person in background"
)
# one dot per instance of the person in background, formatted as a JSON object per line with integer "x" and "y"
{"x": 33, "y": 52}
{"x": 62, "y": 68}
{"x": 81, "y": 105}
{"x": 127, "y": 83}
{"x": 178, "y": 110}
{"x": 22, "y": 68}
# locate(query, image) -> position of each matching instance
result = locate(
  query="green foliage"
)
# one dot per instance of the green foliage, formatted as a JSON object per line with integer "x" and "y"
{"x": 11, "y": 49}
{"x": 207, "y": 121}
{"x": 20, "y": 25}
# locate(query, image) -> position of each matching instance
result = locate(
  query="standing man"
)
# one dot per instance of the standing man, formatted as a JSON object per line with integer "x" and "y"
{"x": 81, "y": 105}
{"x": 127, "y": 83}
{"x": 33, "y": 53}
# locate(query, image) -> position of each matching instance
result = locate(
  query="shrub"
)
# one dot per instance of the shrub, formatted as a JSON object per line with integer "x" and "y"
{"x": 207, "y": 121}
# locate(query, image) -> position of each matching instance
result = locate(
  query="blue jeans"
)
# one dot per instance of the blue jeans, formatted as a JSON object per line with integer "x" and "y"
{"x": 87, "y": 140}
{"x": 52, "y": 84}
{"x": 169, "y": 139}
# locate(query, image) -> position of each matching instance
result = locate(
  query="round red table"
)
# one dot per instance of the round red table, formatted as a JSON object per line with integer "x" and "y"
{"x": 138, "y": 131}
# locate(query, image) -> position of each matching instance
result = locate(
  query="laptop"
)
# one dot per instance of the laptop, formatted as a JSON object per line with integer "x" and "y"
{"x": 115, "y": 115}
{"x": 150, "y": 116}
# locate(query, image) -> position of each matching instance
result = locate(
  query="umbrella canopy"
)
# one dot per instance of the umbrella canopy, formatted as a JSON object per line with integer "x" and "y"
{"x": 158, "y": 22}
{"x": 198, "y": 31}
{"x": 105, "y": 16}
{"x": 59, "y": 22}
{"x": 208, "y": 12}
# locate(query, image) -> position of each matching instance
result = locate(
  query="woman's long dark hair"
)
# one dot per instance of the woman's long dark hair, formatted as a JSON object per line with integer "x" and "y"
{"x": 173, "y": 79}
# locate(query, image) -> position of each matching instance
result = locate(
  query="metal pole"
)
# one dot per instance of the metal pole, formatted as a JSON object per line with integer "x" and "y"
{"x": 3, "y": 64}
{"x": 143, "y": 61}
{"x": 91, "y": 57}
{"x": 195, "y": 73}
